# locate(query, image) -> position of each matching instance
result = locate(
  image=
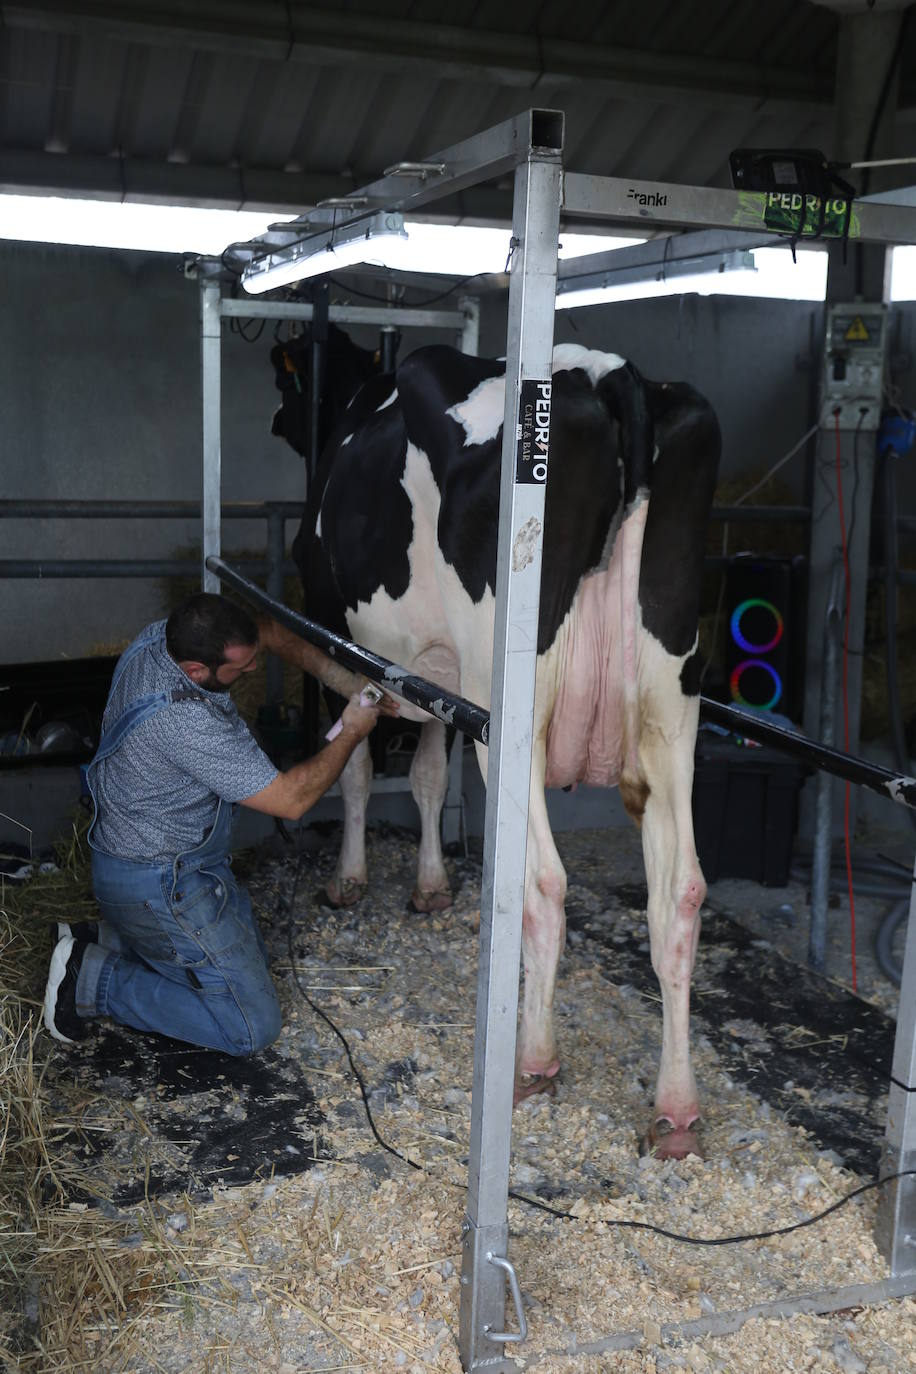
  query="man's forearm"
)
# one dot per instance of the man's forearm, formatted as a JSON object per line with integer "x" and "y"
{"x": 277, "y": 639}
{"x": 306, "y": 783}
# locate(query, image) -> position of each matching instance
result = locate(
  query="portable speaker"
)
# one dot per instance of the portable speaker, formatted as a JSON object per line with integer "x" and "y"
{"x": 759, "y": 606}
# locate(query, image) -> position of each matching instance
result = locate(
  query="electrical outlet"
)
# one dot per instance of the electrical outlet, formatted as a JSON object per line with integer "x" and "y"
{"x": 853, "y": 371}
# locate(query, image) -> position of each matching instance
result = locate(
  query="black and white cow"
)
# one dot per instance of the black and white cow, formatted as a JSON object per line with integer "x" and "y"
{"x": 398, "y": 550}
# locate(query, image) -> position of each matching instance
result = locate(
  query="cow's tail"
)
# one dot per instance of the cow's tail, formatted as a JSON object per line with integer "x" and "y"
{"x": 625, "y": 394}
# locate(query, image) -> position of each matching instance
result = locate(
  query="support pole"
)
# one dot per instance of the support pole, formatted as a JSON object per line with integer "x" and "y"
{"x": 453, "y": 807}
{"x": 895, "y": 1223}
{"x": 823, "y": 806}
{"x": 317, "y": 377}
{"x": 276, "y": 540}
{"x": 212, "y": 459}
{"x": 532, "y": 287}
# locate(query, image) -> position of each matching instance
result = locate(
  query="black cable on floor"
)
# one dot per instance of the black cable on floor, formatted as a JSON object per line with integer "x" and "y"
{"x": 535, "y": 1202}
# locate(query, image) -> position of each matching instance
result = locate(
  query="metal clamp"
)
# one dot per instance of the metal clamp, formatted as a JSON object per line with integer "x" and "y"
{"x": 522, "y": 1333}
{"x": 416, "y": 169}
{"x": 342, "y": 203}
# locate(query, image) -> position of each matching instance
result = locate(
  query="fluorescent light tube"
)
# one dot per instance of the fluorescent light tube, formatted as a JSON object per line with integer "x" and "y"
{"x": 326, "y": 252}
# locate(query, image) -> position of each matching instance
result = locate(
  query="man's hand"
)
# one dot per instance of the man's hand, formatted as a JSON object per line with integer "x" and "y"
{"x": 357, "y": 718}
{"x": 389, "y": 706}
{"x": 292, "y": 793}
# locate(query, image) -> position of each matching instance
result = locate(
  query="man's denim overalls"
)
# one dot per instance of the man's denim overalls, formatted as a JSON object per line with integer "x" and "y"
{"x": 179, "y": 949}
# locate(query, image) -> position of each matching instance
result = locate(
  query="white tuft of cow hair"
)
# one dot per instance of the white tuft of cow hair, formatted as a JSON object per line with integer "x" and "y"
{"x": 572, "y": 355}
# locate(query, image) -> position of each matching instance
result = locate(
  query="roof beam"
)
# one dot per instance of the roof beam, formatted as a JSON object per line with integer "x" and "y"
{"x": 520, "y": 60}
{"x": 214, "y": 187}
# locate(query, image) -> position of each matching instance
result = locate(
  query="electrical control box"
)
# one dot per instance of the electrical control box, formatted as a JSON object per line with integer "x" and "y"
{"x": 853, "y": 379}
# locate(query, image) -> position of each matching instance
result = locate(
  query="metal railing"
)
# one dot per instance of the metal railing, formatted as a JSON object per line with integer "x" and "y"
{"x": 275, "y": 564}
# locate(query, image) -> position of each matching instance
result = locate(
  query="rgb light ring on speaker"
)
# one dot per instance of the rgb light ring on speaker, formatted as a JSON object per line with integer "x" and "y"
{"x": 735, "y": 681}
{"x": 746, "y": 644}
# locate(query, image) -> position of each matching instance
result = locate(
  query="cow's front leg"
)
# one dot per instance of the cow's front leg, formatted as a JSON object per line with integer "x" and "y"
{"x": 350, "y": 878}
{"x": 428, "y": 783}
{"x": 676, "y": 893}
{"x": 543, "y": 938}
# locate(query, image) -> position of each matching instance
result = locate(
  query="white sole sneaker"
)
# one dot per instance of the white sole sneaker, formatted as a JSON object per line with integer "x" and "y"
{"x": 56, "y": 975}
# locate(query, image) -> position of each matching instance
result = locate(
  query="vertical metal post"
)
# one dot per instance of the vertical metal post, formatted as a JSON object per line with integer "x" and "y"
{"x": 535, "y": 228}
{"x": 319, "y": 334}
{"x": 470, "y": 333}
{"x": 276, "y": 550}
{"x": 210, "y": 393}
{"x": 823, "y": 804}
{"x": 453, "y": 806}
{"x": 895, "y": 1223}
{"x": 388, "y": 347}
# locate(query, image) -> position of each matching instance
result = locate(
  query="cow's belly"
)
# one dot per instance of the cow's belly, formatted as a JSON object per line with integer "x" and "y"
{"x": 584, "y": 671}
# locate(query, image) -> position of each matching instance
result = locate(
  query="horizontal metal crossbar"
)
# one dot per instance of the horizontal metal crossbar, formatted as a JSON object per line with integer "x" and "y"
{"x": 898, "y": 787}
{"x": 655, "y": 205}
{"x": 447, "y": 706}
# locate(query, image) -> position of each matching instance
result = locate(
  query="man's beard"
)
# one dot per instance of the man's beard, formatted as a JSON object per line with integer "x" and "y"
{"x": 213, "y": 683}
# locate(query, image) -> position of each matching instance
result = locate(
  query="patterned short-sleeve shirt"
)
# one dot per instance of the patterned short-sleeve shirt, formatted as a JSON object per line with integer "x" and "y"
{"x": 158, "y": 793}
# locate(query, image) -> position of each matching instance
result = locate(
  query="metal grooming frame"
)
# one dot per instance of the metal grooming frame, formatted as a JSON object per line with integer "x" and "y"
{"x": 214, "y": 308}
{"x": 530, "y": 147}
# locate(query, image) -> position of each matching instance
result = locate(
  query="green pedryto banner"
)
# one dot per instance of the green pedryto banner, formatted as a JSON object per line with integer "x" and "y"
{"x": 791, "y": 212}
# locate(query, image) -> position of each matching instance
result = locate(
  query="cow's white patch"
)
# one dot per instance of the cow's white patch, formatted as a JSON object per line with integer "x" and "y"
{"x": 389, "y": 401}
{"x": 318, "y": 526}
{"x": 481, "y": 415}
{"x": 525, "y": 544}
{"x": 413, "y": 630}
{"x": 344, "y": 442}
{"x": 664, "y": 707}
{"x": 597, "y": 365}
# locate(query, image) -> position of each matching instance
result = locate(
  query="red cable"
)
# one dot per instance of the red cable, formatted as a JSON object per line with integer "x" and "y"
{"x": 852, "y": 903}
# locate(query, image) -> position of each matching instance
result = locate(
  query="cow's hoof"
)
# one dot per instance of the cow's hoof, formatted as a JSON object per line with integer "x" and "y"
{"x": 429, "y": 901}
{"x": 667, "y": 1141}
{"x": 337, "y": 895}
{"x": 527, "y": 1084}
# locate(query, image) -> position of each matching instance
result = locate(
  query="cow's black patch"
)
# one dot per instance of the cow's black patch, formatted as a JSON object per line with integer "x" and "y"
{"x": 602, "y": 442}
{"x": 366, "y": 521}
{"x": 583, "y": 494}
{"x": 682, "y": 484}
{"x": 624, "y": 393}
{"x": 346, "y": 366}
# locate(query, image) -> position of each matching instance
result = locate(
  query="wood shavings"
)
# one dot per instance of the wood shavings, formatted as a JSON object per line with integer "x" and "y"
{"x": 355, "y": 1263}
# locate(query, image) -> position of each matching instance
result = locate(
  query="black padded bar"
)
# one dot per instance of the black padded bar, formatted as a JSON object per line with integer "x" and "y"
{"x": 897, "y": 786}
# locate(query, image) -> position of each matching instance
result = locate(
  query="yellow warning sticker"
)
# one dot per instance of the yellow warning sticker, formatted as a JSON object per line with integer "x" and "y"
{"x": 857, "y": 333}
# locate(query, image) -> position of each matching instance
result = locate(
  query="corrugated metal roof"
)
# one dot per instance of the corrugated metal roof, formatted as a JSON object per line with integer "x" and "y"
{"x": 248, "y": 103}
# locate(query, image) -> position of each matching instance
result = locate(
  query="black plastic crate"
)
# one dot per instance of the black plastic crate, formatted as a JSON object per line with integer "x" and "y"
{"x": 745, "y": 810}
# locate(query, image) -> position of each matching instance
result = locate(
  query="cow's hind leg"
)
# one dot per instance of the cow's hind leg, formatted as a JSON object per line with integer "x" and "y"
{"x": 676, "y": 893}
{"x": 543, "y": 938}
{"x": 428, "y": 783}
{"x": 350, "y": 878}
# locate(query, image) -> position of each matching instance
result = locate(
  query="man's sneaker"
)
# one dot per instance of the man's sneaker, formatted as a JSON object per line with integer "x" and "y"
{"x": 61, "y": 1017}
{"x": 80, "y": 930}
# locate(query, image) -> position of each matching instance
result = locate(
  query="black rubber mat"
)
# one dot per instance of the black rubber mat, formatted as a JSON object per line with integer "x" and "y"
{"x": 199, "y": 1117}
{"x": 812, "y": 1050}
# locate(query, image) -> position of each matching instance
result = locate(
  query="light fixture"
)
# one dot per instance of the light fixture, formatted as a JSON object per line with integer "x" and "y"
{"x": 327, "y": 251}
{"x": 676, "y": 276}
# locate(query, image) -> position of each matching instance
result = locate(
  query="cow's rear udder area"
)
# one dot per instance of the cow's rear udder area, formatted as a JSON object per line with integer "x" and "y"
{"x": 585, "y": 739}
